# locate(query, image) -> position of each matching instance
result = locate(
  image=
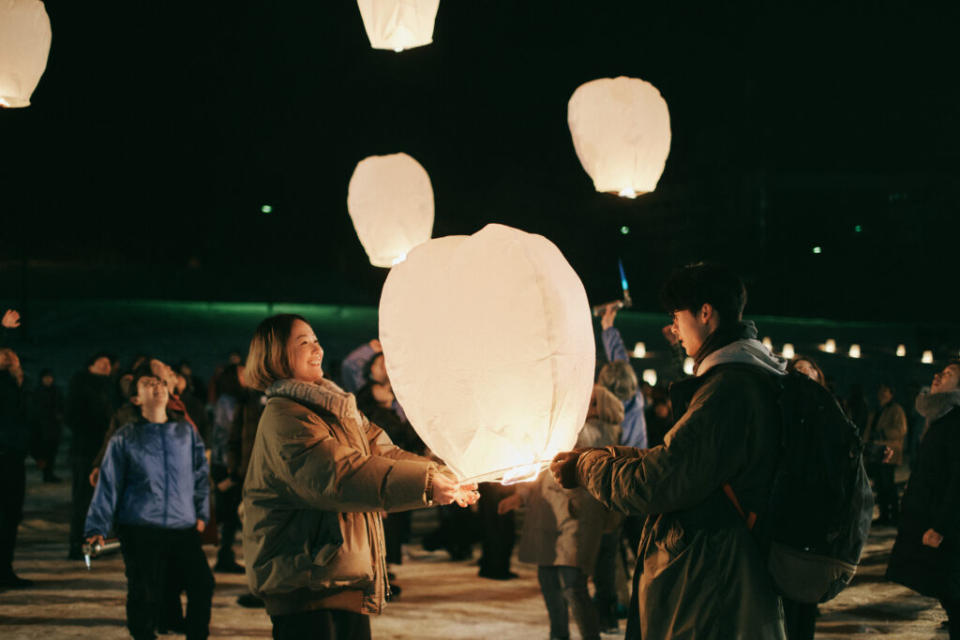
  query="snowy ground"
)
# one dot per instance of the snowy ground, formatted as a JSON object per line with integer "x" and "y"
{"x": 441, "y": 599}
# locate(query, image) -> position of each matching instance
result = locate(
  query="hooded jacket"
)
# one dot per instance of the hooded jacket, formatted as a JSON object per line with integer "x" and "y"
{"x": 700, "y": 573}
{"x": 320, "y": 474}
{"x": 152, "y": 475}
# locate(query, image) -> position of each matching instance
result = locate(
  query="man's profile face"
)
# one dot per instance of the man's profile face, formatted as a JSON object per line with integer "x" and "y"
{"x": 946, "y": 380}
{"x": 691, "y": 330}
{"x": 100, "y": 366}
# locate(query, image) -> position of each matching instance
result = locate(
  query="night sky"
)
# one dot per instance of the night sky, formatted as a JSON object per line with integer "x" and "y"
{"x": 160, "y": 129}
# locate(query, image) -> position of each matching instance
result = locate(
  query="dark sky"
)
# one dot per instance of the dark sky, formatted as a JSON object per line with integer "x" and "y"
{"x": 160, "y": 128}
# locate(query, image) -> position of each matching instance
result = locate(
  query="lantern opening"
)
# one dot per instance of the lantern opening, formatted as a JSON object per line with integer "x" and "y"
{"x": 627, "y": 192}
{"x": 399, "y": 259}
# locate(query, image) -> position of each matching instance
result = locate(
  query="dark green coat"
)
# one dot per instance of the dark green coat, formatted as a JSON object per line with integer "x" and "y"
{"x": 700, "y": 572}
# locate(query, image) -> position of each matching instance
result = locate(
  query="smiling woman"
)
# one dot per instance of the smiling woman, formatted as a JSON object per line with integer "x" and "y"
{"x": 320, "y": 476}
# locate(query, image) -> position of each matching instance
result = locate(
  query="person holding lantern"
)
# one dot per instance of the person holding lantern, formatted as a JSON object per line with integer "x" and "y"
{"x": 700, "y": 572}
{"x": 320, "y": 475}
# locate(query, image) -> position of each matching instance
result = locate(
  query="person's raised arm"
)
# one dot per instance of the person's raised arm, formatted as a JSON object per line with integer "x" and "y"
{"x": 612, "y": 340}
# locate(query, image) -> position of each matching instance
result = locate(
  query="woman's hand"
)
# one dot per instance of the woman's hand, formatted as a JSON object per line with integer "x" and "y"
{"x": 446, "y": 490}
{"x": 509, "y": 504}
{"x": 932, "y": 539}
{"x": 564, "y": 468}
{"x": 11, "y": 319}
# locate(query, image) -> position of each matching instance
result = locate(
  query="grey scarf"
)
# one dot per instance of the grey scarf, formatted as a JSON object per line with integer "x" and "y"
{"x": 324, "y": 395}
{"x": 934, "y": 406}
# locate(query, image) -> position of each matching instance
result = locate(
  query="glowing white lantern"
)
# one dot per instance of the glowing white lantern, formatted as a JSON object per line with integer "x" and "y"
{"x": 639, "y": 350}
{"x": 854, "y": 351}
{"x": 788, "y": 351}
{"x": 390, "y": 200}
{"x": 830, "y": 346}
{"x": 927, "y": 357}
{"x": 650, "y": 377}
{"x": 398, "y": 24}
{"x": 688, "y": 366}
{"x": 901, "y": 350}
{"x": 621, "y": 132}
{"x": 489, "y": 346}
{"x": 768, "y": 343}
{"x": 24, "y": 47}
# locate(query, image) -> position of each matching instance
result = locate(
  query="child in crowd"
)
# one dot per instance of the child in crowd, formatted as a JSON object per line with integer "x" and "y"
{"x": 153, "y": 483}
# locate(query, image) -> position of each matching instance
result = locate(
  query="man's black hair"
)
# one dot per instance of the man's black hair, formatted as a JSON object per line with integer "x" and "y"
{"x": 694, "y": 285}
{"x": 140, "y": 372}
{"x": 97, "y": 356}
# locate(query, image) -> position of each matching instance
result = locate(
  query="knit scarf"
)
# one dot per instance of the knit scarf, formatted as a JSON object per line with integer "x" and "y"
{"x": 323, "y": 395}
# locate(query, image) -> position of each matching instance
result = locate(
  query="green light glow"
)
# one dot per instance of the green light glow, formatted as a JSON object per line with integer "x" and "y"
{"x": 266, "y": 209}
{"x": 624, "y": 229}
{"x": 858, "y": 228}
{"x": 817, "y": 250}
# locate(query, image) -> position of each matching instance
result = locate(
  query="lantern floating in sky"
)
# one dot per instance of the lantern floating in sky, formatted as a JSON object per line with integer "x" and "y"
{"x": 650, "y": 377}
{"x": 621, "y": 132}
{"x": 830, "y": 346}
{"x": 927, "y": 357}
{"x": 24, "y": 46}
{"x": 488, "y": 342}
{"x": 390, "y": 200}
{"x": 901, "y": 350}
{"x": 688, "y": 366}
{"x": 398, "y": 24}
{"x": 854, "y": 351}
{"x": 639, "y": 350}
{"x": 788, "y": 351}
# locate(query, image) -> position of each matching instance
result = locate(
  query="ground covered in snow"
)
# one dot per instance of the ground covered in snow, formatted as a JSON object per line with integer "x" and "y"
{"x": 441, "y": 599}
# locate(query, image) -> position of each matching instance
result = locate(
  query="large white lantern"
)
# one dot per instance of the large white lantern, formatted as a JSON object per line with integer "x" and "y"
{"x": 621, "y": 132}
{"x": 489, "y": 347}
{"x": 398, "y": 24}
{"x": 390, "y": 200}
{"x": 24, "y": 47}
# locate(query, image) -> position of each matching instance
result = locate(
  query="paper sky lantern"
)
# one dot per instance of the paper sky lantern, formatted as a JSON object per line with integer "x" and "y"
{"x": 830, "y": 346}
{"x": 927, "y": 357}
{"x": 488, "y": 343}
{"x": 24, "y": 47}
{"x": 901, "y": 350}
{"x": 639, "y": 350}
{"x": 621, "y": 132}
{"x": 854, "y": 351}
{"x": 390, "y": 200}
{"x": 650, "y": 377}
{"x": 788, "y": 351}
{"x": 398, "y": 24}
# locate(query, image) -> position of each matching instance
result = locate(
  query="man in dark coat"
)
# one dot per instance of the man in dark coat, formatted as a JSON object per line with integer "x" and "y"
{"x": 46, "y": 417}
{"x": 90, "y": 405}
{"x": 926, "y": 555}
{"x": 700, "y": 572}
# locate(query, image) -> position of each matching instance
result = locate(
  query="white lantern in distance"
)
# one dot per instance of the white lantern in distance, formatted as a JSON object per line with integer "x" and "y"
{"x": 854, "y": 351}
{"x": 927, "y": 357}
{"x": 24, "y": 46}
{"x": 901, "y": 350}
{"x": 788, "y": 351}
{"x": 830, "y": 346}
{"x": 639, "y": 350}
{"x": 621, "y": 133}
{"x": 488, "y": 342}
{"x": 768, "y": 343}
{"x": 398, "y": 24}
{"x": 390, "y": 200}
{"x": 650, "y": 377}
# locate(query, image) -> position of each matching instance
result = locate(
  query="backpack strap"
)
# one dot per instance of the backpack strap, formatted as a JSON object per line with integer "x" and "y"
{"x": 749, "y": 518}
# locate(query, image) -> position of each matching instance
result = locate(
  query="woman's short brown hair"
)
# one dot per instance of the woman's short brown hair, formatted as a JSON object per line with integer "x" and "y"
{"x": 267, "y": 358}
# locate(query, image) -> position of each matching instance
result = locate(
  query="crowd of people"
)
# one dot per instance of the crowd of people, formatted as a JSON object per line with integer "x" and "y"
{"x": 320, "y": 478}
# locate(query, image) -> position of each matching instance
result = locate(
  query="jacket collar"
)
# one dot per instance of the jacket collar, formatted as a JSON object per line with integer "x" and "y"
{"x": 323, "y": 395}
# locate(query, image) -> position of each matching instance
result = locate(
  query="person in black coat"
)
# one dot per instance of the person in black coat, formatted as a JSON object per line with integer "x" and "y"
{"x": 926, "y": 555}
{"x": 46, "y": 407}
{"x": 90, "y": 405}
{"x": 14, "y": 442}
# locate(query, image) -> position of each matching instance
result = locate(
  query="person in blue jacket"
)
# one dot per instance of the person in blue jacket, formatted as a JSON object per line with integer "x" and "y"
{"x": 621, "y": 380}
{"x": 154, "y": 486}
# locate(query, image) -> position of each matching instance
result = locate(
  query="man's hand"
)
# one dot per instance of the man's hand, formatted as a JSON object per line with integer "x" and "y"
{"x": 201, "y": 525}
{"x": 95, "y": 540}
{"x": 94, "y": 476}
{"x": 509, "y": 504}
{"x": 446, "y": 490}
{"x": 609, "y": 314}
{"x": 226, "y": 484}
{"x": 564, "y": 468}
{"x": 932, "y": 539}
{"x": 11, "y": 319}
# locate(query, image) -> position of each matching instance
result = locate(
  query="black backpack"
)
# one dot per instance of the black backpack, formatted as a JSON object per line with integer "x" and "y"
{"x": 821, "y": 504}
